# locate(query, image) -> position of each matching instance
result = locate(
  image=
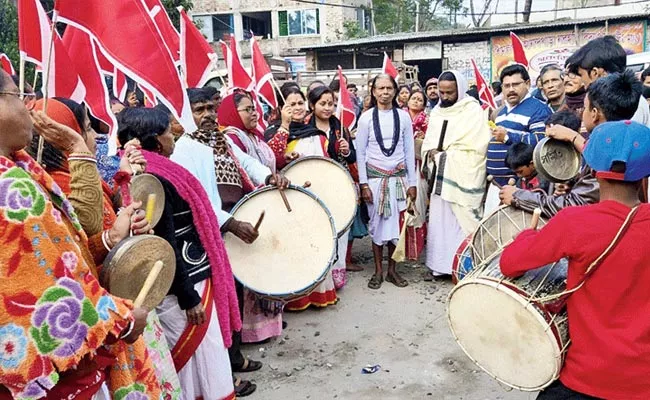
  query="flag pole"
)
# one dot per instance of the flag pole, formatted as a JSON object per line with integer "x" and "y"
{"x": 46, "y": 78}
{"x": 275, "y": 84}
{"x": 35, "y": 79}
{"x": 21, "y": 82}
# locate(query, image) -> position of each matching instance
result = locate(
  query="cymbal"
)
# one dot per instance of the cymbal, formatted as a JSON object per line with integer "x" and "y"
{"x": 142, "y": 186}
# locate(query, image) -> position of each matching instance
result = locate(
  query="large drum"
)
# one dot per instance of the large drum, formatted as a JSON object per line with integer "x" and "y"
{"x": 294, "y": 249}
{"x": 128, "y": 264}
{"x": 463, "y": 262}
{"x": 331, "y": 182}
{"x": 506, "y": 327}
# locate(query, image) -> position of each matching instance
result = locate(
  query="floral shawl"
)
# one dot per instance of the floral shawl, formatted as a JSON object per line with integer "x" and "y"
{"x": 53, "y": 311}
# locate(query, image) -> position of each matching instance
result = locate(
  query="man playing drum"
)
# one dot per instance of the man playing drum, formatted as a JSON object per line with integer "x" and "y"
{"x": 612, "y": 98}
{"x": 457, "y": 140}
{"x": 609, "y": 355}
{"x": 386, "y": 159}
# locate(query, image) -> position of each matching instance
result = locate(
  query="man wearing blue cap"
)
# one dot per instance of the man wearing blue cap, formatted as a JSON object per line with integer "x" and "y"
{"x": 609, "y": 356}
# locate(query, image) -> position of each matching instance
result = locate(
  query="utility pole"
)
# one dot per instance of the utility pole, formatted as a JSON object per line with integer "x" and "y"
{"x": 417, "y": 16}
{"x": 516, "y": 9}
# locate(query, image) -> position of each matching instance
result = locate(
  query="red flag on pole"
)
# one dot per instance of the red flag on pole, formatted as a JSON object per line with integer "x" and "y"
{"x": 484, "y": 92}
{"x": 169, "y": 34}
{"x": 518, "y": 50}
{"x": 197, "y": 56}
{"x": 262, "y": 75}
{"x": 5, "y": 63}
{"x": 389, "y": 68}
{"x": 238, "y": 77}
{"x": 135, "y": 48}
{"x": 345, "y": 108}
{"x": 78, "y": 42}
{"x": 35, "y": 37}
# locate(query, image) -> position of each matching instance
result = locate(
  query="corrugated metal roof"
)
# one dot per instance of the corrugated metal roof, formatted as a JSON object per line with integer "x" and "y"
{"x": 437, "y": 35}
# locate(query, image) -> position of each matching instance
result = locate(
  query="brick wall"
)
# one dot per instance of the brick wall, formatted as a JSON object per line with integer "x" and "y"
{"x": 458, "y": 57}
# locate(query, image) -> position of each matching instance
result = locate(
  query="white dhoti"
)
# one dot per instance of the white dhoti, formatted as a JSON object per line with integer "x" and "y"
{"x": 445, "y": 235}
{"x": 492, "y": 200}
{"x": 384, "y": 229}
{"x": 207, "y": 374}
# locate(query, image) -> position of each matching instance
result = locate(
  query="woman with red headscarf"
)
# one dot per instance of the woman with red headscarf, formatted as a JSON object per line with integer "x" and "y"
{"x": 237, "y": 116}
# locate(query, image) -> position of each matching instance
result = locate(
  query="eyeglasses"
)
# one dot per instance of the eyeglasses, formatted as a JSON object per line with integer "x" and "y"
{"x": 249, "y": 109}
{"x": 513, "y": 85}
{"x": 28, "y": 98}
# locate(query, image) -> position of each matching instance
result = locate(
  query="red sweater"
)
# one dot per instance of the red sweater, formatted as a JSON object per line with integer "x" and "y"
{"x": 609, "y": 317}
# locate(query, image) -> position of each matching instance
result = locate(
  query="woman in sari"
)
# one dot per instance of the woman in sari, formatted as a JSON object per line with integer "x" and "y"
{"x": 75, "y": 117}
{"x": 201, "y": 310}
{"x": 262, "y": 319}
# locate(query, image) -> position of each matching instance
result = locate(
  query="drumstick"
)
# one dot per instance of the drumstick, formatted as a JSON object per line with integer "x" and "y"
{"x": 307, "y": 184}
{"x": 535, "y": 220}
{"x": 491, "y": 180}
{"x": 511, "y": 182}
{"x": 259, "y": 221}
{"x": 148, "y": 284}
{"x": 151, "y": 205}
{"x": 284, "y": 196}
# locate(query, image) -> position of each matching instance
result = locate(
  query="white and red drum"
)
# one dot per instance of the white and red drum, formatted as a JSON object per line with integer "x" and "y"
{"x": 294, "y": 250}
{"x": 463, "y": 262}
{"x": 507, "y": 327}
{"x": 331, "y": 182}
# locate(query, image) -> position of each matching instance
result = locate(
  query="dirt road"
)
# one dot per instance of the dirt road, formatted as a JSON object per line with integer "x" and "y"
{"x": 405, "y": 330}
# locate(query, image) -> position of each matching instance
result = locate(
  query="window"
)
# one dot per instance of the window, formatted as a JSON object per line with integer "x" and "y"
{"x": 299, "y": 22}
{"x": 257, "y": 22}
{"x": 222, "y": 26}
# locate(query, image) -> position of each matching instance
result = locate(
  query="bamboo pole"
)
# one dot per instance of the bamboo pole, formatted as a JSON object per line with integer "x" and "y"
{"x": 46, "y": 79}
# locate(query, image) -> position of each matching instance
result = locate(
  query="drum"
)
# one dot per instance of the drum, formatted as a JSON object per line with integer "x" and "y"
{"x": 556, "y": 160}
{"x": 505, "y": 326}
{"x": 128, "y": 264}
{"x": 332, "y": 183}
{"x": 497, "y": 230}
{"x": 463, "y": 262}
{"x": 294, "y": 250}
{"x": 141, "y": 187}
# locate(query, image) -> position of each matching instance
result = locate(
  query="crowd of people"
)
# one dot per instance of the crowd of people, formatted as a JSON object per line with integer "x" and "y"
{"x": 420, "y": 158}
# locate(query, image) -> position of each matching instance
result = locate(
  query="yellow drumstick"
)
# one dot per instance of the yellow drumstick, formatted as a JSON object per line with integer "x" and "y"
{"x": 151, "y": 204}
{"x": 148, "y": 284}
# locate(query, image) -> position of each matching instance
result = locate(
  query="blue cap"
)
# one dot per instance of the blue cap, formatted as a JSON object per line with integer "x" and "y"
{"x": 616, "y": 142}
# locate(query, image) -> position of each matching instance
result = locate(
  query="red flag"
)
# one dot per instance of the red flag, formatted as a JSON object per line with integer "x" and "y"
{"x": 169, "y": 34}
{"x": 78, "y": 42}
{"x": 518, "y": 50}
{"x": 484, "y": 92}
{"x": 130, "y": 39}
{"x": 389, "y": 68}
{"x": 120, "y": 85}
{"x": 35, "y": 37}
{"x": 238, "y": 77}
{"x": 5, "y": 63}
{"x": 150, "y": 100}
{"x": 262, "y": 75}
{"x": 345, "y": 109}
{"x": 104, "y": 63}
{"x": 197, "y": 56}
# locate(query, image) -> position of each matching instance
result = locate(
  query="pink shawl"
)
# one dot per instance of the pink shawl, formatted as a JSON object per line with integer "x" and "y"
{"x": 207, "y": 226}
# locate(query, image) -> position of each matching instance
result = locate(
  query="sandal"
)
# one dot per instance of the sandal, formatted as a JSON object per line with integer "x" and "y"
{"x": 375, "y": 282}
{"x": 353, "y": 268}
{"x": 243, "y": 388}
{"x": 249, "y": 366}
{"x": 428, "y": 276}
{"x": 396, "y": 280}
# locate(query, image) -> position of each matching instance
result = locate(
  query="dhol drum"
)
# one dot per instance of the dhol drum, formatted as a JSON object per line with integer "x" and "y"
{"x": 556, "y": 160}
{"x": 294, "y": 250}
{"x": 463, "y": 262}
{"x": 332, "y": 183}
{"x": 497, "y": 230}
{"x": 128, "y": 264}
{"x": 506, "y": 325}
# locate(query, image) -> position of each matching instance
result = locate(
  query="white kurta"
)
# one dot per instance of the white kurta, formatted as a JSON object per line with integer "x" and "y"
{"x": 385, "y": 229}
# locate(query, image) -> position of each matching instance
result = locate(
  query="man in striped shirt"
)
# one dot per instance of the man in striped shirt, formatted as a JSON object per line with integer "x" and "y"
{"x": 520, "y": 121}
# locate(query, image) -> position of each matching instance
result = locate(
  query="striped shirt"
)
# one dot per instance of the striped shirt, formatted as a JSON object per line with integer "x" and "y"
{"x": 524, "y": 123}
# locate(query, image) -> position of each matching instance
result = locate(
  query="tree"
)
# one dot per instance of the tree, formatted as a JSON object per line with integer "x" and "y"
{"x": 528, "y": 5}
{"x": 393, "y": 16}
{"x": 352, "y": 30}
{"x": 479, "y": 18}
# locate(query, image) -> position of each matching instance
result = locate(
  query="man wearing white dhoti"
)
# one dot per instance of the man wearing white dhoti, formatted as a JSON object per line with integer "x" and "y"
{"x": 458, "y": 156}
{"x": 386, "y": 160}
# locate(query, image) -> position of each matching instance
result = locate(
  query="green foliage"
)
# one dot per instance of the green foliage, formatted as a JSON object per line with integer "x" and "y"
{"x": 9, "y": 31}
{"x": 393, "y": 16}
{"x": 171, "y": 6}
{"x": 352, "y": 30}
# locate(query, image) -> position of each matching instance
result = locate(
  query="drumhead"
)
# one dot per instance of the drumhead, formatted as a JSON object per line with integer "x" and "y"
{"x": 556, "y": 160}
{"x": 141, "y": 187}
{"x": 503, "y": 334}
{"x": 331, "y": 182}
{"x": 294, "y": 249}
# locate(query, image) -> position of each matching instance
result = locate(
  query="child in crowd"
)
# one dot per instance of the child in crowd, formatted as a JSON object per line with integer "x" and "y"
{"x": 520, "y": 159}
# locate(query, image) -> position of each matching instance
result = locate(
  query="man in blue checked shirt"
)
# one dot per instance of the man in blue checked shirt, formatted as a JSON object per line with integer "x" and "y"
{"x": 520, "y": 121}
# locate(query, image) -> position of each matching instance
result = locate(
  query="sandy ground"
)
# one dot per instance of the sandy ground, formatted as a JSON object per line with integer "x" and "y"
{"x": 405, "y": 330}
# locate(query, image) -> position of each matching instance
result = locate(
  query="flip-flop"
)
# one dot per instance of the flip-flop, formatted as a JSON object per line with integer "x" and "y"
{"x": 249, "y": 366}
{"x": 243, "y": 388}
{"x": 396, "y": 280}
{"x": 427, "y": 276}
{"x": 375, "y": 282}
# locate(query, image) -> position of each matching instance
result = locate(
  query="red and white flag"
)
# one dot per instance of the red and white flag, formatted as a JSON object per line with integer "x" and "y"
{"x": 130, "y": 39}
{"x": 78, "y": 42}
{"x": 389, "y": 68}
{"x": 238, "y": 77}
{"x": 345, "y": 108}
{"x": 518, "y": 50}
{"x": 5, "y": 63}
{"x": 34, "y": 38}
{"x": 197, "y": 56}
{"x": 150, "y": 100}
{"x": 262, "y": 75}
{"x": 484, "y": 92}
{"x": 164, "y": 24}
{"x": 120, "y": 85}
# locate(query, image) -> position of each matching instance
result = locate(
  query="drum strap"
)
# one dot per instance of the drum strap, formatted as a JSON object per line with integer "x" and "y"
{"x": 559, "y": 301}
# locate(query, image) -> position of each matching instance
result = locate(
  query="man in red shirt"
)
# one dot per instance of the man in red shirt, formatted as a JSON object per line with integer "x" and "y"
{"x": 609, "y": 355}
